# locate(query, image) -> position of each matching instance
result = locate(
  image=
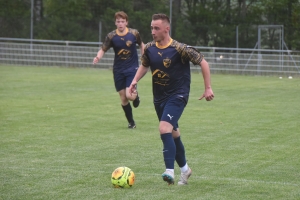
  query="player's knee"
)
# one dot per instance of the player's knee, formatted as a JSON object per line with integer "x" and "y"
{"x": 131, "y": 97}
{"x": 165, "y": 127}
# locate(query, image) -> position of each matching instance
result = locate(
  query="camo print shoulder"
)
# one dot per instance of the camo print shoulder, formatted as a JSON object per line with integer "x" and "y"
{"x": 107, "y": 42}
{"x": 136, "y": 33}
{"x": 188, "y": 53}
{"x": 149, "y": 44}
{"x": 144, "y": 59}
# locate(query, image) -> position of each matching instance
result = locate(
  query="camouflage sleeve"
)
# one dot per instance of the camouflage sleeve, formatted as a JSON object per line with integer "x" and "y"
{"x": 191, "y": 54}
{"x": 107, "y": 43}
{"x": 138, "y": 38}
{"x": 136, "y": 35}
{"x": 145, "y": 59}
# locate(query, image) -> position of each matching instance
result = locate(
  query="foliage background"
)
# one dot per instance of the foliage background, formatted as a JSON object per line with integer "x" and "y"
{"x": 196, "y": 22}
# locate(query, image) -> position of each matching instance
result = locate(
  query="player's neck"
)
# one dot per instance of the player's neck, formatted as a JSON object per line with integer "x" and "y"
{"x": 123, "y": 32}
{"x": 164, "y": 43}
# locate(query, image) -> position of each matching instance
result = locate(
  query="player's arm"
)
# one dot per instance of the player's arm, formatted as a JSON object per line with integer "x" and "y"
{"x": 142, "y": 70}
{"x": 196, "y": 57}
{"x": 105, "y": 46}
{"x": 140, "y": 42}
{"x": 208, "y": 93}
{"x": 99, "y": 56}
{"x": 142, "y": 47}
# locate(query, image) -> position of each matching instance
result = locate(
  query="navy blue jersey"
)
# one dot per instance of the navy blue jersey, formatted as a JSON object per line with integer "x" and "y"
{"x": 124, "y": 45}
{"x": 170, "y": 67}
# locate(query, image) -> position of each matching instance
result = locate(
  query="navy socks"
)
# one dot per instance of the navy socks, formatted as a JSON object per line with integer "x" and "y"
{"x": 173, "y": 150}
{"x": 169, "y": 150}
{"x": 128, "y": 112}
{"x": 180, "y": 152}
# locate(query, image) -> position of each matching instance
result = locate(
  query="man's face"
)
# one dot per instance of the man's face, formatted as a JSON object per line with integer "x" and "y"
{"x": 121, "y": 24}
{"x": 159, "y": 30}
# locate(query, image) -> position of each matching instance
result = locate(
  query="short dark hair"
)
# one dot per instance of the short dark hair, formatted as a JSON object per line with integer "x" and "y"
{"x": 161, "y": 16}
{"x": 122, "y": 15}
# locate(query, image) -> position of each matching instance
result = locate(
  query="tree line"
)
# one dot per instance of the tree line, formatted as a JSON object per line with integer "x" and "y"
{"x": 218, "y": 23}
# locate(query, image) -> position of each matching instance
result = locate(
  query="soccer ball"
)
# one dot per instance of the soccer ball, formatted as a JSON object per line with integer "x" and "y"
{"x": 122, "y": 177}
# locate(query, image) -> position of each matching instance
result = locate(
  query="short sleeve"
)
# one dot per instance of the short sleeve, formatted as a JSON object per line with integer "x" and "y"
{"x": 107, "y": 43}
{"x": 138, "y": 38}
{"x": 145, "y": 59}
{"x": 192, "y": 54}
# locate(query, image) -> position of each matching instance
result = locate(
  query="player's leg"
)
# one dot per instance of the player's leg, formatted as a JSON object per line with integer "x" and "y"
{"x": 127, "y": 108}
{"x": 169, "y": 115}
{"x": 123, "y": 98}
{"x": 129, "y": 96}
{"x": 134, "y": 97}
{"x": 169, "y": 150}
{"x": 120, "y": 85}
{"x": 180, "y": 158}
{"x": 180, "y": 151}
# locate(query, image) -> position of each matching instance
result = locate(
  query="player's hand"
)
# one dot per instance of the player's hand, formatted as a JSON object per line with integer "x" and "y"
{"x": 96, "y": 59}
{"x": 208, "y": 95}
{"x": 132, "y": 87}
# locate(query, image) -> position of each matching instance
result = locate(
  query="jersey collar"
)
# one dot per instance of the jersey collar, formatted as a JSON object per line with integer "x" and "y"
{"x": 124, "y": 32}
{"x": 165, "y": 46}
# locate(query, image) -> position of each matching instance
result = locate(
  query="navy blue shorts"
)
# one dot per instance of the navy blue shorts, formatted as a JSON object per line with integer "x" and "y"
{"x": 123, "y": 79}
{"x": 170, "y": 111}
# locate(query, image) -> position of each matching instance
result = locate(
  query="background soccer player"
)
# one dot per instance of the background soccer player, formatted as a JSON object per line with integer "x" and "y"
{"x": 169, "y": 61}
{"x": 124, "y": 41}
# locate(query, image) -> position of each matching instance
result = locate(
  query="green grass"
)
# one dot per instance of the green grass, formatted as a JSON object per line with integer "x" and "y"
{"x": 63, "y": 132}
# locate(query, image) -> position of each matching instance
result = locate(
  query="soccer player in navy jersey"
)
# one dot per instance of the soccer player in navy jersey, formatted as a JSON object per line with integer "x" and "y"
{"x": 124, "y": 40}
{"x": 169, "y": 61}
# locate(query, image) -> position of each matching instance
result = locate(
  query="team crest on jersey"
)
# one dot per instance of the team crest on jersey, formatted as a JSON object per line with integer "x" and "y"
{"x": 167, "y": 62}
{"x": 128, "y": 43}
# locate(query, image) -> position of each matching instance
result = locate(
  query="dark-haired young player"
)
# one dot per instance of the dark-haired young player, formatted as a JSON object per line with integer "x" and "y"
{"x": 123, "y": 40}
{"x": 169, "y": 61}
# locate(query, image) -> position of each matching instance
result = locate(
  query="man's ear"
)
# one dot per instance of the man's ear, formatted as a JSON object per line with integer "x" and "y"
{"x": 167, "y": 29}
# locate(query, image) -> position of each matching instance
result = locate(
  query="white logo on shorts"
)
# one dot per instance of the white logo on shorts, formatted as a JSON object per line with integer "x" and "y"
{"x": 170, "y": 116}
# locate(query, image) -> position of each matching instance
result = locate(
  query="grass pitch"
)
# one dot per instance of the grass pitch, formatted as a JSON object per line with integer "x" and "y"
{"x": 63, "y": 132}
